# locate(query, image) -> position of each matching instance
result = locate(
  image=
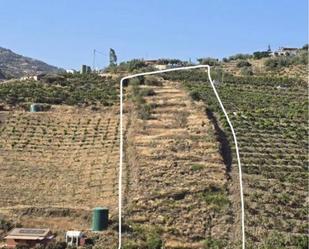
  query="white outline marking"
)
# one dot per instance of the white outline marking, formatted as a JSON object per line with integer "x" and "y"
{"x": 121, "y": 146}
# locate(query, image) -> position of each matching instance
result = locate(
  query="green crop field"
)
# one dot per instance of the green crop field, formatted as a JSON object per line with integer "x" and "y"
{"x": 269, "y": 116}
{"x": 77, "y": 89}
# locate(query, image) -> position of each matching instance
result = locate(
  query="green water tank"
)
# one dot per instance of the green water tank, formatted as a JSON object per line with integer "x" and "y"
{"x": 99, "y": 218}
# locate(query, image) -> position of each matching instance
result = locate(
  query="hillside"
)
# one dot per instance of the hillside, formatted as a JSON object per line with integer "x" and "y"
{"x": 289, "y": 66}
{"x": 258, "y": 68}
{"x": 180, "y": 174}
{"x": 13, "y": 65}
{"x": 270, "y": 119}
{"x": 178, "y": 190}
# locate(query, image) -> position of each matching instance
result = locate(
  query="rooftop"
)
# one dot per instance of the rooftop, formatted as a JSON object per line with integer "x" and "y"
{"x": 28, "y": 233}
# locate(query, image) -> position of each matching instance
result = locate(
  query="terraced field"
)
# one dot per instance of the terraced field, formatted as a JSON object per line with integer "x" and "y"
{"x": 270, "y": 120}
{"x": 179, "y": 184}
{"x": 258, "y": 68}
{"x": 180, "y": 179}
{"x": 58, "y": 160}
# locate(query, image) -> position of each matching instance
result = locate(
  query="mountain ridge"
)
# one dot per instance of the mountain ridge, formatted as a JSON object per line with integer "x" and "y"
{"x": 13, "y": 65}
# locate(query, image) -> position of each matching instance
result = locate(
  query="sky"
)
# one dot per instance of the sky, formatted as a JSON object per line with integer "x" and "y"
{"x": 64, "y": 33}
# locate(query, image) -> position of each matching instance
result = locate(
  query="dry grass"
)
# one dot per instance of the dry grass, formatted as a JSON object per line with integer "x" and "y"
{"x": 61, "y": 159}
{"x": 166, "y": 189}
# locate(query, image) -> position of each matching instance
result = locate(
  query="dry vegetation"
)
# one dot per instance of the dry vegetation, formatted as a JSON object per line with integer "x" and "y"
{"x": 258, "y": 68}
{"x": 178, "y": 189}
{"x": 180, "y": 178}
{"x": 56, "y": 166}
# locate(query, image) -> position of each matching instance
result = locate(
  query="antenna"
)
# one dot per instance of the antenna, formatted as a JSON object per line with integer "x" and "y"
{"x": 95, "y": 52}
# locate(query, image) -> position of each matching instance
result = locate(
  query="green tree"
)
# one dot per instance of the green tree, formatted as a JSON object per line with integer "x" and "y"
{"x": 208, "y": 61}
{"x": 112, "y": 57}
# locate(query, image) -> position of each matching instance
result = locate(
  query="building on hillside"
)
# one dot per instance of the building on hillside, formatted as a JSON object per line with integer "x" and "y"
{"x": 156, "y": 64}
{"x": 282, "y": 51}
{"x": 85, "y": 69}
{"x": 28, "y": 237}
{"x": 72, "y": 71}
{"x": 162, "y": 64}
{"x": 36, "y": 77}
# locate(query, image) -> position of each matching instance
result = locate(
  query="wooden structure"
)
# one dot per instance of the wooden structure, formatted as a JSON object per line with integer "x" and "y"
{"x": 30, "y": 237}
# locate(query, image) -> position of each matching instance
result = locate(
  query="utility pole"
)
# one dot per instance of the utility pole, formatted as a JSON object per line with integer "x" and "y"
{"x": 95, "y": 52}
{"x": 93, "y": 62}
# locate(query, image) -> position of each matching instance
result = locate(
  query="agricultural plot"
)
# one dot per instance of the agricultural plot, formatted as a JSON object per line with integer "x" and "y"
{"x": 59, "y": 159}
{"x": 66, "y": 89}
{"x": 270, "y": 119}
{"x": 177, "y": 192}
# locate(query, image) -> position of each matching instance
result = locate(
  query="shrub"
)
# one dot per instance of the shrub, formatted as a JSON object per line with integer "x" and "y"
{"x": 181, "y": 118}
{"x": 216, "y": 197}
{"x": 144, "y": 111}
{"x": 152, "y": 81}
{"x": 137, "y": 80}
{"x": 208, "y": 61}
{"x": 210, "y": 243}
{"x": 132, "y": 65}
{"x": 196, "y": 167}
{"x": 5, "y": 225}
{"x": 246, "y": 71}
{"x": 274, "y": 240}
{"x": 305, "y": 47}
{"x": 154, "y": 241}
{"x": 147, "y": 92}
{"x": 240, "y": 57}
{"x": 261, "y": 54}
{"x": 195, "y": 95}
{"x": 130, "y": 245}
{"x": 243, "y": 63}
{"x": 302, "y": 242}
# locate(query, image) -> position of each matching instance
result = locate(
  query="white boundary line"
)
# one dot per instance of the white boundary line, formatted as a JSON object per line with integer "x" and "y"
{"x": 121, "y": 146}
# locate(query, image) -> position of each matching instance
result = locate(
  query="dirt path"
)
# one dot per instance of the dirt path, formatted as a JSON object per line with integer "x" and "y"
{"x": 178, "y": 180}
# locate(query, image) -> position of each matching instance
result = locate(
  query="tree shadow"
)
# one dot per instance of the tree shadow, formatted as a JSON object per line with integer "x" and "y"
{"x": 225, "y": 149}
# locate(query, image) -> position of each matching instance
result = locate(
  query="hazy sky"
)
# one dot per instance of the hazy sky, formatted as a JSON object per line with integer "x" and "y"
{"x": 65, "y": 32}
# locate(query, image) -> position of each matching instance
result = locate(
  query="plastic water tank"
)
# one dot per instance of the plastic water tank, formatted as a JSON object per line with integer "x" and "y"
{"x": 35, "y": 107}
{"x": 99, "y": 218}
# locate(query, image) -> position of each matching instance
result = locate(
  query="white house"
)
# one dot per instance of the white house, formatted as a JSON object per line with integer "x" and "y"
{"x": 282, "y": 51}
{"x": 70, "y": 71}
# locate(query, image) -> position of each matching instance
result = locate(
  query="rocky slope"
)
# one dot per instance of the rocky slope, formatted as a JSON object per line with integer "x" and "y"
{"x": 13, "y": 65}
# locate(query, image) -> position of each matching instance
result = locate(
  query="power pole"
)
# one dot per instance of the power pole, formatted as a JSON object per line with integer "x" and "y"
{"x": 93, "y": 63}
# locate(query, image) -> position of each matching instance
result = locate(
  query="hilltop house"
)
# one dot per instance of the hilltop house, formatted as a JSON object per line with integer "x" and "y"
{"x": 33, "y": 77}
{"x": 282, "y": 51}
{"x": 162, "y": 64}
{"x": 29, "y": 237}
{"x": 156, "y": 64}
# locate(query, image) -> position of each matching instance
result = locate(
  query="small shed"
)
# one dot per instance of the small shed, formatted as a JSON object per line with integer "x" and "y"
{"x": 30, "y": 237}
{"x": 75, "y": 238}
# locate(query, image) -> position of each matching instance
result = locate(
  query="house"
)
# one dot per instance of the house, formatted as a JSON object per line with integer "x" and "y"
{"x": 75, "y": 238}
{"x": 33, "y": 77}
{"x": 162, "y": 64}
{"x": 282, "y": 51}
{"x": 30, "y": 237}
{"x": 72, "y": 71}
{"x": 85, "y": 69}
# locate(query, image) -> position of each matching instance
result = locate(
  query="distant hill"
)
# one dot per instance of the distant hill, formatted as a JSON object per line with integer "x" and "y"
{"x": 13, "y": 65}
{"x": 2, "y": 77}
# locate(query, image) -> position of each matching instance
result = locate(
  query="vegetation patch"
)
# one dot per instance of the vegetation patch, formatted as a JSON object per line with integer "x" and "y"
{"x": 70, "y": 89}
